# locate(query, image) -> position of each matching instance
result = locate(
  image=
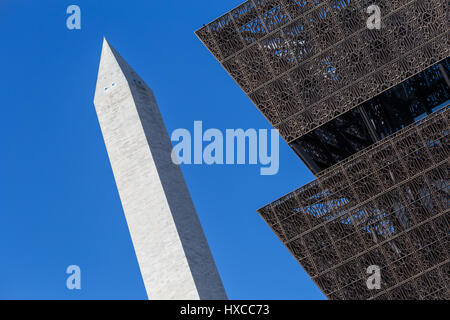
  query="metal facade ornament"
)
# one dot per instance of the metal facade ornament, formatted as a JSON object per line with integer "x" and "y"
{"x": 387, "y": 205}
{"x": 303, "y": 63}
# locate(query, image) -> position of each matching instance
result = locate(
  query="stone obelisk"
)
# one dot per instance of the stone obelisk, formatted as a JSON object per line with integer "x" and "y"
{"x": 171, "y": 248}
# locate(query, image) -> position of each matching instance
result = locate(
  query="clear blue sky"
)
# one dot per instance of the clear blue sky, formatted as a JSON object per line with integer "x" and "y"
{"x": 59, "y": 202}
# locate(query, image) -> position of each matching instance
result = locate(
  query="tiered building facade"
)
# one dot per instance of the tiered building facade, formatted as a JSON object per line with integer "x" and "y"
{"x": 367, "y": 111}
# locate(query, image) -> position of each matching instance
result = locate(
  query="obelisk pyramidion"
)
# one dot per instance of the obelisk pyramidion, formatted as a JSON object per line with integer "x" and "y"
{"x": 171, "y": 248}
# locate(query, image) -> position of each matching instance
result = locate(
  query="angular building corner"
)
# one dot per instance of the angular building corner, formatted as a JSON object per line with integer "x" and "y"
{"x": 173, "y": 254}
{"x": 367, "y": 111}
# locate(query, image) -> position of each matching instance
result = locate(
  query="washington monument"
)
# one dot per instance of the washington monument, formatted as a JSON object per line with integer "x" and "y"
{"x": 171, "y": 248}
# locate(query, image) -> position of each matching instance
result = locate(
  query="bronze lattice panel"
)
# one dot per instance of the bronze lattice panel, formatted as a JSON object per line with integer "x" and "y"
{"x": 387, "y": 205}
{"x": 303, "y": 63}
